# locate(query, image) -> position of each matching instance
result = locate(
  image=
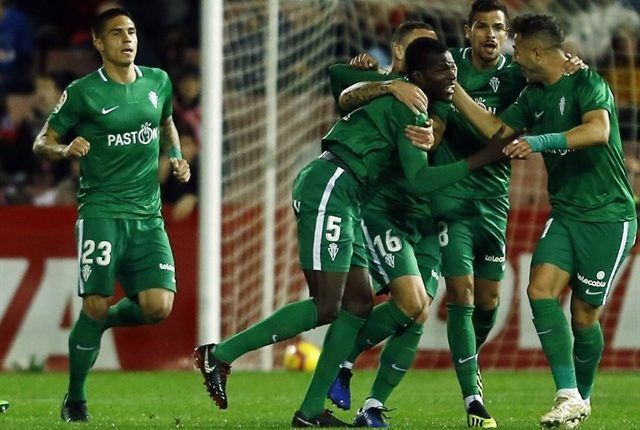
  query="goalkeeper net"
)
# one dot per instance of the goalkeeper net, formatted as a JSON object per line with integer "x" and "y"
{"x": 312, "y": 34}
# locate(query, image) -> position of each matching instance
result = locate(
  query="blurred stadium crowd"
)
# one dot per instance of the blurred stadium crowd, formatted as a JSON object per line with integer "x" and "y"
{"x": 45, "y": 44}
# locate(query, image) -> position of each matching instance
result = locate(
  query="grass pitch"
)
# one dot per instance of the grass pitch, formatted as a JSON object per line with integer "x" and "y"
{"x": 177, "y": 400}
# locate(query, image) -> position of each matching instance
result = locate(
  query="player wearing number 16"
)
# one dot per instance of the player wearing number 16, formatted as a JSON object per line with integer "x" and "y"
{"x": 120, "y": 114}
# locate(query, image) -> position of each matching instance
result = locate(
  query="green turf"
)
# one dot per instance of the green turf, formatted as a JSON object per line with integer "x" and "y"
{"x": 425, "y": 400}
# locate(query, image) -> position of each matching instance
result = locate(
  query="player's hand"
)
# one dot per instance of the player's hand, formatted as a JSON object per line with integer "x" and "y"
{"x": 573, "y": 64}
{"x": 410, "y": 95}
{"x": 421, "y": 137}
{"x": 492, "y": 151}
{"x": 364, "y": 62}
{"x": 77, "y": 148}
{"x": 518, "y": 149}
{"x": 180, "y": 169}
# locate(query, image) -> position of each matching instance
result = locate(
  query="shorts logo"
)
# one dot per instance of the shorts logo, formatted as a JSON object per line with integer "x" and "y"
{"x": 296, "y": 206}
{"x": 333, "y": 251}
{"x": 169, "y": 267}
{"x": 494, "y": 259}
{"x": 390, "y": 259}
{"x": 590, "y": 282}
{"x": 86, "y": 272}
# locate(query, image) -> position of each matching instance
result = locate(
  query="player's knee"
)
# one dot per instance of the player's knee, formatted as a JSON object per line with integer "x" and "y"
{"x": 423, "y": 315}
{"x": 460, "y": 292}
{"x": 537, "y": 291}
{"x": 95, "y": 307}
{"x": 488, "y": 301}
{"x": 156, "y": 312}
{"x": 412, "y": 309}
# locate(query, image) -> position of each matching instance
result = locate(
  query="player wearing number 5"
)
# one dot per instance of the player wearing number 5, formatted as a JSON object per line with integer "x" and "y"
{"x": 361, "y": 149}
{"x": 572, "y": 121}
{"x": 120, "y": 114}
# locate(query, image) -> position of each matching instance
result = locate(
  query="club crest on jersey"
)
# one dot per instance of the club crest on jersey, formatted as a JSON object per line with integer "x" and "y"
{"x": 561, "y": 105}
{"x": 333, "y": 251}
{"x": 86, "y": 272}
{"x": 390, "y": 259}
{"x": 153, "y": 98}
{"x": 495, "y": 83}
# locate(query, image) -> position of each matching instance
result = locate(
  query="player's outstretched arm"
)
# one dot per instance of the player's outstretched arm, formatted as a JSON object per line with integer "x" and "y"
{"x": 483, "y": 120}
{"x": 363, "y": 92}
{"x": 594, "y": 131}
{"x": 171, "y": 144}
{"x": 47, "y": 145}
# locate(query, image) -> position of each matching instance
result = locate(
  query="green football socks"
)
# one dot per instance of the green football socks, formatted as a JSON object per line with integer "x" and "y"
{"x": 84, "y": 345}
{"x": 343, "y": 331}
{"x": 555, "y": 336}
{"x": 483, "y": 322}
{"x": 283, "y": 324}
{"x": 385, "y": 320}
{"x": 396, "y": 359}
{"x": 125, "y": 313}
{"x": 462, "y": 343}
{"x": 587, "y": 352}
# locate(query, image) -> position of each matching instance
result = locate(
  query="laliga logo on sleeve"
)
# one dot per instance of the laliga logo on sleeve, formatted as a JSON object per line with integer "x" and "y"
{"x": 153, "y": 98}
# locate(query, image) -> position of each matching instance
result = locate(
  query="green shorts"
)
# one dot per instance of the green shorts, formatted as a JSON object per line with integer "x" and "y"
{"x": 472, "y": 235}
{"x": 397, "y": 247}
{"x": 134, "y": 251}
{"x": 326, "y": 203}
{"x": 592, "y": 253}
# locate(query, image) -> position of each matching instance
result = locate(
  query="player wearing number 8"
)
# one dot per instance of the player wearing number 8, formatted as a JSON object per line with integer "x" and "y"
{"x": 592, "y": 227}
{"x": 121, "y": 114}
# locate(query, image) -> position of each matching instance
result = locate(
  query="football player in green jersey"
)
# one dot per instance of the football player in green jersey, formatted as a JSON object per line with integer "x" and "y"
{"x": 120, "y": 114}
{"x": 360, "y": 150}
{"x": 572, "y": 121}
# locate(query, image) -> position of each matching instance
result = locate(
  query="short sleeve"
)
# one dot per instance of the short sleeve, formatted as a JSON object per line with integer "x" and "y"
{"x": 66, "y": 114}
{"x": 592, "y": 93}
{"x": 166, "y": 92}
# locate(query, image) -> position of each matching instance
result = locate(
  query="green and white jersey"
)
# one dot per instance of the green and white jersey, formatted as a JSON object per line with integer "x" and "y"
{"x": 588, "y": 184}
{"x": 121, "y": 122}
{"x": 494, "y": 89}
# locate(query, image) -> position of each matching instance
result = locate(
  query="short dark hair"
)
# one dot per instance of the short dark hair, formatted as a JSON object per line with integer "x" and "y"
{"x": 99, "y": 22}
{"x": 417, "y": 55}
{"x": 486, "y": 6}
{"x": 407, "y": 27}
{"x": 546, "y": 26}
